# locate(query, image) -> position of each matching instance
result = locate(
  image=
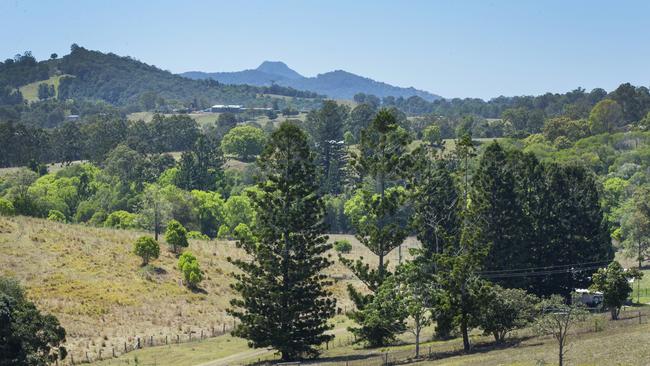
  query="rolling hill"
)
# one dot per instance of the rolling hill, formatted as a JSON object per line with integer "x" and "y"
{"x": 336, "y": 84}
{"x": 125, "y": 81}
{"x": 89, "y": 279}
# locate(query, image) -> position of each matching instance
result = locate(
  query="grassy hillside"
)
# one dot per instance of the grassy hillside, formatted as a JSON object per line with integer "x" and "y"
{"x": 30, "y": 91}
{"x": 89, "y": 279}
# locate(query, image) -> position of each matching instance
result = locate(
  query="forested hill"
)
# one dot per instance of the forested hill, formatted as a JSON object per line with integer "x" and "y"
{"x": 125, "y": 81}
{"x": 336, "y": 84}
{"x": 122, "y": 80}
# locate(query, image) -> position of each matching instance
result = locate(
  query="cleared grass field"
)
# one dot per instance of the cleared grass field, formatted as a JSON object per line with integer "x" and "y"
{"x": 30, "y": 91}
{"x": 91, "y": 281}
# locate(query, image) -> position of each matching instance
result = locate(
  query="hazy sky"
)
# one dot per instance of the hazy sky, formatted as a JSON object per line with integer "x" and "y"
{"x": 452, "y": 48}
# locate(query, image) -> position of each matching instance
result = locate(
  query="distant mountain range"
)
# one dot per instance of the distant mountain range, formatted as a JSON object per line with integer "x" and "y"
{"x": 336, "y": 84}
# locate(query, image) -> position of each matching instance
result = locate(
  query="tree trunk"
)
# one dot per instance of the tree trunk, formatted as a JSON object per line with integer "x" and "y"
{"x": 417, "y": 342}
{"x": 614, "y": 312}
{"x": 463, "y": 329}
{"x": 560, "y": 359}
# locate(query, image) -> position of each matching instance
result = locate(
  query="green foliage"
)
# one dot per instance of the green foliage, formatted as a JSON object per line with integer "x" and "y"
{"x": 210, "y": 211}
{"x": 28, "y": 337}
{"x": 244, "y": 142}
{"x": 613, "y": 283}
{"x": 243, "y": 233}
{"x": 176, "y": 236}
{"x": 239, "y": 210}
{"x": 201, "y": 167}
{"x": 343, "y": 246}
{"x": 197, "y": 235}
{"x": 189, "y": 267}
{"x": 224, "y": 232}
{"x": 505, "y": 310}
{"x": 635, "y": 227}
{"x": 121, "y": 220}
{"x": 6, "y": 208}
{"x": 55, "y": 215}
{"x": 432, "y": 136}
{"x": 382, "y": 318}
{"x": 606, "y": 116}
{"x": 146, "y": 248}
{"x": 284, "y": 270}
{"x": 535, "y": 215}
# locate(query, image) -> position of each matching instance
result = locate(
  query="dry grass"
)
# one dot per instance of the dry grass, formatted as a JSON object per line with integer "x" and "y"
{"x": 89, "y": 279}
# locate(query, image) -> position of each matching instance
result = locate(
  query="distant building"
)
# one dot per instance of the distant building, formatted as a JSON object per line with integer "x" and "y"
{"x": 221, "y": 108}
{"x": 72, "y": 117}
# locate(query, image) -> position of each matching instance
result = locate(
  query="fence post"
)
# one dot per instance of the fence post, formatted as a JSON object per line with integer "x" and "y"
{"x": 87, "y": 359}
{"x": 125, "y": 351}
{"x": 151, "y": 341}
{"x": 386, "y": 358}
{"x": 71, "y": 359}
{"x": 178, "y": 339}
{"x": 429, "y": 351}
{"x": 113, "y": 352}
{"x": 100, "y": 354}
{"x": 639, "y": 317}
{"x": 201, "y": 333}
{"x": 165, "y": 339}
{"x": 224, "y": 328}
{"x": 138, "y": 342}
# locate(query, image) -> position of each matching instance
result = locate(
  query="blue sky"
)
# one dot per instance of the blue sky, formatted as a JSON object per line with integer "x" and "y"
{"x": 452, "y": 48}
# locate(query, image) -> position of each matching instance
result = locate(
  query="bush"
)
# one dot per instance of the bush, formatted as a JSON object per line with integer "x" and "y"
{"x": 6, "y": 208}
{"x": 176, "y": 235}
{"x": 342, "y": 246}
{"x": 56, "y": 215}
{"x": 98, "y": 218}
{"x": 146, "y": 248}
{"x": 197, "y": 235}
{"x": 121, "y": 220}
{"x": 189, "y": 267}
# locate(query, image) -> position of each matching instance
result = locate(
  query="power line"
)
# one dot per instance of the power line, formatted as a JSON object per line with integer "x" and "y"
{"x": 558, "y": 266}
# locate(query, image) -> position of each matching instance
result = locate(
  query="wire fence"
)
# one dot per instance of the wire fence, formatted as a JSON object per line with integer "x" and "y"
{"x": 100, "y": 353}
{"x": 628, "y": 316}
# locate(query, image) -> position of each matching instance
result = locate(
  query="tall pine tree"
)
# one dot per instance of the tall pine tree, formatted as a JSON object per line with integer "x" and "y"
{"x": 498, "y": 212}
{"x": 382, "y": 165}
{"x": 326, "y": 127}
{"x": 284, "y": 303}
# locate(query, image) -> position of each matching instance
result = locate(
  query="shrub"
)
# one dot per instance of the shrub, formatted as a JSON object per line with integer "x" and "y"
{"x": 121, "y": 220}
{"x": 146, "y": 248}
{"x": 6, "y": 208}
{"x": 176, "y": 235}
{"x": 56, "y": 215}
{"x": 189, "y": 267}
{"x": 342, "y": 246}
{"x": 98, "y": 218}
{"x": 197, "y": 235}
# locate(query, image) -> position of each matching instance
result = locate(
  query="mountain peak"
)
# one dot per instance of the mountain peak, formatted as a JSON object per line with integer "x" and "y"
{"x": 278, "y": 68}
